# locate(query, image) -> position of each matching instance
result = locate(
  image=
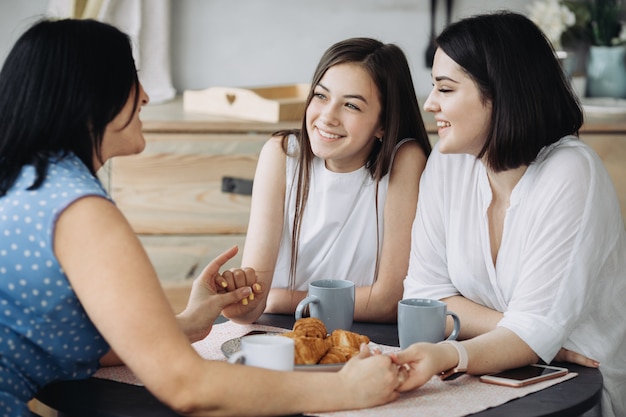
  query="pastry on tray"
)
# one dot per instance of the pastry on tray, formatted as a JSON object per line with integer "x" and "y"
{"x": 310, "y": 350}
{"x": 345, "y": 338}
{"x": 339, "y": 354}
{"x": 310, "y": 327}
{"x": 313, "y": 345}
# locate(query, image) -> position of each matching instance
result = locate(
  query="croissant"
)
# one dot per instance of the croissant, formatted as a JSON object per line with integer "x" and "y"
{"x": 312, "y": 344}
{"x": 309, "y": 350}
{"x": 347, "y": 338}
{"x": 310, "y": 327}
{"x": 291, "y": 334}
{"x": 339, "y": 354}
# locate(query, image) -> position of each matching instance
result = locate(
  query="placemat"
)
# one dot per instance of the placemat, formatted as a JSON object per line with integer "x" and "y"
{"x": 463, "y": 396}
{"x": 208, "y": 348}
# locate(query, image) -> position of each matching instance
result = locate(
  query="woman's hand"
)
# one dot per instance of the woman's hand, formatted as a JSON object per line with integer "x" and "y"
{"x": 421, "y": 361}
{"x": 233, "y": 280}
{"x": 206, "y": 302}
{"x": 570, "y": 356}
{"x": 373, "y": 379}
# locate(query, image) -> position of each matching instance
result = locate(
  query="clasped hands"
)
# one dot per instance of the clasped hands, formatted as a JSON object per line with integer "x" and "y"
{"x": 214, "y": 293}
{"x": 418, "y": 363}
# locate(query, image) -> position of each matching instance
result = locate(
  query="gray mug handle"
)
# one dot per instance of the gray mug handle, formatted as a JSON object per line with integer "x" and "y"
{"x": 457, "y": 326}
{"x": 302, "y": 304}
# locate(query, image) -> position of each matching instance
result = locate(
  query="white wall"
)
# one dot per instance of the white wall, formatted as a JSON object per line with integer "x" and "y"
{"x": 15, "y": 17}
{"x": 257, "y": 42}
{"x": 263, "y": 42}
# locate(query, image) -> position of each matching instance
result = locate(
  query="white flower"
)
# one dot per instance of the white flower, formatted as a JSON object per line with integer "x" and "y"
{"x": 621, "y": 39}
{"x": 552, "y": 18}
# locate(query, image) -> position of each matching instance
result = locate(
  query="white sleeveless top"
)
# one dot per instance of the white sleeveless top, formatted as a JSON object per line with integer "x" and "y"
{"x": 338, "y": 233}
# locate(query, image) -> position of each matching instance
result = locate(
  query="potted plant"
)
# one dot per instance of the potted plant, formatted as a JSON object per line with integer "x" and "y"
{"x": 558, "y": 22}
{"x": 593, "y": 23}
{"x": 600, "y": 22}
{"x": 604, "y": 25}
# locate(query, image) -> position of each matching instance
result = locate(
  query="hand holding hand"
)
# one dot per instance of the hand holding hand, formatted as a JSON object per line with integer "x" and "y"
{"x": 373, "y": 378}
{"x": 234, "y": 279}
{"x": 205, "y": 301}
{"x": 420, "y": 360}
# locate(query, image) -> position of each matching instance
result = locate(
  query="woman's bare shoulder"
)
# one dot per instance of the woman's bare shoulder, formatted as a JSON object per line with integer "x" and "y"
{"x": 409, "y": 156}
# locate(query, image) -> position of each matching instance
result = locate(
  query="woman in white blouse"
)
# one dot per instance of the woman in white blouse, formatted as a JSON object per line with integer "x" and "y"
{"x": 518, "y": 227}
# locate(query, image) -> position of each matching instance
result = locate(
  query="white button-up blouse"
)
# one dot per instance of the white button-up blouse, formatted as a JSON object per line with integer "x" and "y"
{"x": 560, "y": 274}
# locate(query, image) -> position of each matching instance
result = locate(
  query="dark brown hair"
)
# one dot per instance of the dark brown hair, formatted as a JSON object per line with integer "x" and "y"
{"x": 60, "y": 86}
{"x": 514, "y": 66}
{"x": 400, "y": 115}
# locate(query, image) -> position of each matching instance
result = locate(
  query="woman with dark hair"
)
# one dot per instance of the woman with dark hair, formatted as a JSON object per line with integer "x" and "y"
{"x": 333, "y": 199}
{"x": 77, "y": 289}
{"x": 518, "y": 227}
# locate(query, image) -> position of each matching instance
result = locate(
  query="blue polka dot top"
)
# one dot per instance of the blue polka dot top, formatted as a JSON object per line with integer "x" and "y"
{"x": 45, "y": 334}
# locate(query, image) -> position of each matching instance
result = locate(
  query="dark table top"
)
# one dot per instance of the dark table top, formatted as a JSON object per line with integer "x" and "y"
{"x": 95, "y": 397}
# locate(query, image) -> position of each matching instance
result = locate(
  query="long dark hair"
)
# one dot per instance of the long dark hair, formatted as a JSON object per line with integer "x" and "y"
{"x": 400, "y": 115}
{"x": 514, "y": 66}
{"x": 60, "y": 86}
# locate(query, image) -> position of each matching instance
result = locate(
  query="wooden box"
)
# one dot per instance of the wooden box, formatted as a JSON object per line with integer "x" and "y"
{"x": 265, "y": 104}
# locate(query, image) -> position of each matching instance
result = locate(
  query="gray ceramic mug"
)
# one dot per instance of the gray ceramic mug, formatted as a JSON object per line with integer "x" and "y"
{"x": 424, "y": 320}
{"x": 330, "y": 300}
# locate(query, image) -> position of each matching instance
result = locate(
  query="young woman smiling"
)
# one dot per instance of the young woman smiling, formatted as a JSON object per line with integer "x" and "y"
{"x": 336, "y": 198}
{"x": 518, "y": 227}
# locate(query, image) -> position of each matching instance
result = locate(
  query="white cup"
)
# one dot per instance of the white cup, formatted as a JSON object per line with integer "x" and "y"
{"x": 266, "y": 351}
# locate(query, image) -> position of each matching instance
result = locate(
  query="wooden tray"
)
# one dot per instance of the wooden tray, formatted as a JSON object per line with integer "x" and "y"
{"x": 266, "y": 104}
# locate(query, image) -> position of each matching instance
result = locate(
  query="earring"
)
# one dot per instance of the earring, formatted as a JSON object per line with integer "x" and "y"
{"x": 380, "y": 139}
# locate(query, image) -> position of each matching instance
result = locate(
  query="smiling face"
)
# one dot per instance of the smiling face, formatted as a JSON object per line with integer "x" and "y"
{"x": 342, "y": 118}
{"x": 122, "y": 137}
{"x": 462, "y": 117}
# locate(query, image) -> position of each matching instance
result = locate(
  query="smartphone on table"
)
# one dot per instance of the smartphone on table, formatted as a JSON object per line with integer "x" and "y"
{"x": 526, "y": 375}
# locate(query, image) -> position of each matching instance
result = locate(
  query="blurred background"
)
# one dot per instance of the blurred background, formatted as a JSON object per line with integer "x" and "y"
{"x": 244, "y": 43}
